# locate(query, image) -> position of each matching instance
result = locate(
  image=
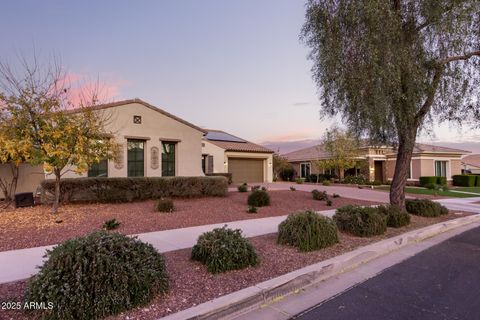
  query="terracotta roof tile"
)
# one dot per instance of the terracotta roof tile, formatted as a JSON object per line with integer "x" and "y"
{"x": 307, "y": 154}
{"x": 472, "y": 160}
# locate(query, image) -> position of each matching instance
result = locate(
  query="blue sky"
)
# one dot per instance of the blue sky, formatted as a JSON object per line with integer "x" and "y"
{"x": 232, "y": 65}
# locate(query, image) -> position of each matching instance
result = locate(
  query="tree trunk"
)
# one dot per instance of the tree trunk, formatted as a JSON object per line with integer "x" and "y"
{"x": 56, "y": 200}
{"x": 10, "y": 187}
{"x": 404, "y": 155}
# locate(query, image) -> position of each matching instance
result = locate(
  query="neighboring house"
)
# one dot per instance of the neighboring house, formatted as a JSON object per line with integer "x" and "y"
{"x": 246, "y": 161}
{"x": 471, "y": 164}
{"x": 378, "y": 163}
{"x": 155, "y": 143}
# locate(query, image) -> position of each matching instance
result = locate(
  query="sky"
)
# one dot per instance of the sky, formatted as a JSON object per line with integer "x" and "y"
{"x": 237, "y": 66}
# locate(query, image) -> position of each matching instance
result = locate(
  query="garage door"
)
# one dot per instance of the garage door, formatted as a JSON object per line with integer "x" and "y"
{"x": 246, "y": 170}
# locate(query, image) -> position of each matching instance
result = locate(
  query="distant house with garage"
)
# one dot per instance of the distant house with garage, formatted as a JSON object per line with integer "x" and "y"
{"x": 223, "y": 152}
{"x": 378, "y": 162}
{"x": 471, "y": 164}
{"x": 155, "y": 143}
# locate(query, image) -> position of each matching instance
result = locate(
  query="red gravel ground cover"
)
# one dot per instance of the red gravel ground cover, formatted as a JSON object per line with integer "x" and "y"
{"x": 191, "y": 284}
{"x": 33, "y": 227}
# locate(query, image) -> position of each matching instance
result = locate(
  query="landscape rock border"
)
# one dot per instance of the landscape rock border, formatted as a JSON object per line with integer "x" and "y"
{"x": 277, "y": 288}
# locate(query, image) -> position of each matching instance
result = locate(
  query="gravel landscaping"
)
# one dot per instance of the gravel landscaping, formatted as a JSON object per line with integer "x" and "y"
{"x": 191, "y": 284}
{"x": 37, "y": 226}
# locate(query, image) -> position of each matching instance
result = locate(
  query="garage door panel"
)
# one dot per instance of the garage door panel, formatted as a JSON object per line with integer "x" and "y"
{"x": 246, "y": 170}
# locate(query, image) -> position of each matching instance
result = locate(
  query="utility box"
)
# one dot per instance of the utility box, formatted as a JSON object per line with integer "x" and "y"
{"x": 24, "y": 199}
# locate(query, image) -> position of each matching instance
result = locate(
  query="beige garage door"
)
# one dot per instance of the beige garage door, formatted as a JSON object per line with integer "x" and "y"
{"x": 246, "y": 170}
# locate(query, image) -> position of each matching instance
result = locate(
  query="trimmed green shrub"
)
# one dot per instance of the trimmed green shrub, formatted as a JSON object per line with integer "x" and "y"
{"x": 299, "y": 180}
{"x": 360, "y": 221}
{"x": 226, "y": 175}
{"x": 286, "y": 174}
{"x": 307, "y": 231}
{"x": 242, "y": 188}
{"x": 293, "y": 189}
{"x": 464, "y": 180}
{"x": 111, "y": 224}
{"x": 224, "y": 249}
{"x": 425, "y": 208}
{"x": 442, "y": 181}
{"x": 355, "y": 180}
{"x": 329, "y": 203}
{"x": 259, "y": 198}
{"x": 335, "y": 195}
{"x": 252, "y": 209}
{"x": 96, "y": 276}
{"x": 477, "y": 181}
{"x": 134, "y": 188}
{"x": 396, "y": 217}
{"x": 319, "y": 195}
{"x": 164, "y": 205}
{"x": 426, "y": 180}
{"x": 326, "y": 182}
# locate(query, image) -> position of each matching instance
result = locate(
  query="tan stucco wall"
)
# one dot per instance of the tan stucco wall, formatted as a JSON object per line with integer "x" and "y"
{"x": 456, "y": 166}
{"x": 267, "y": 163}
{"x": 154, "y": 128}
{"x": 218, "y": 156}
{"x": 426, "y": 167}
{"x": 30, "y": 177}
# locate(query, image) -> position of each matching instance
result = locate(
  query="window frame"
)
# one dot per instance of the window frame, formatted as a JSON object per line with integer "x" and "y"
{"x": 95, "y": 170}
{"x": 306, "y": 164}
{"x": 166, "y": 169}
{"x": 442, "y": 168}
{"x": 139, "y": 169}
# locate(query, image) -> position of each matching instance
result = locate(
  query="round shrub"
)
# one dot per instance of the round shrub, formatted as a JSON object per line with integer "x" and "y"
{"x": 98, "y": 275}
{"x": 307, "y": 231}
{"x": 224, "y": 249}
{"x": 425, "y": 208}
{"x": 396, "y": 217}
{"x": 242, "y": 188}
{"x": 259, "y": 198}
{"x": 360, "y": 221}
{"x": 164, "y": 205}
{"x": 319, "y": 195}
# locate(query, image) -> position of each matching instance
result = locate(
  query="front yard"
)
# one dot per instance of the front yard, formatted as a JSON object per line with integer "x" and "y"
{"x": 32, "y": 227}
{"x": 191, "y": 284}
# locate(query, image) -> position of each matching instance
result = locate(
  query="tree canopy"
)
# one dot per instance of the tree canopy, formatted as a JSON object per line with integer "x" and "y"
{"x": 390, "y": 67}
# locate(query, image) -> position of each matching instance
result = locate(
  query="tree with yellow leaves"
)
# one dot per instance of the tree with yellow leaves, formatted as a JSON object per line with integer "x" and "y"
{"x": 63, "y": 132}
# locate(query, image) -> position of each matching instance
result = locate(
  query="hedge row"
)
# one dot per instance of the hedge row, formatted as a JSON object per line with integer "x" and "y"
{"x": 466, "y": 180}
{"x": 226, "y": 175}
{"x": 134, "y": 189}
{"x": 426, "y": 181}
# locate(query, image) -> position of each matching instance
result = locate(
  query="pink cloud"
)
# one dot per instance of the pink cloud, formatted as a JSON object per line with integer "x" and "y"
{"x": 82, "y": 89}
{"x": 290, "y": 136}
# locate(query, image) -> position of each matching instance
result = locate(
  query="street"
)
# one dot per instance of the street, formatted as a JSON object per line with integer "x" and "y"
{"x": 442, "y": 282}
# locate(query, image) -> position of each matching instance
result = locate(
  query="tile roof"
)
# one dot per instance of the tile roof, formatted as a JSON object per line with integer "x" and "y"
{"x": 420, "y": 147}
{"x": 139, "y": 101}
{"x": 472, "y": 160}
{"x": 246, "y": 146}
{"x": 310, "y": 153}
{"x": 318, "y": 152}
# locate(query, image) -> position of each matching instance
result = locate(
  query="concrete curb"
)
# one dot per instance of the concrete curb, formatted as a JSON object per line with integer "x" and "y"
{"x": 276, "y": 289}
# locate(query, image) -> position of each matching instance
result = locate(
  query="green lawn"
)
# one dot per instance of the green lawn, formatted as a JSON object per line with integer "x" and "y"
{"x": 468, "y": 189}
{"x": 415, "y": 190}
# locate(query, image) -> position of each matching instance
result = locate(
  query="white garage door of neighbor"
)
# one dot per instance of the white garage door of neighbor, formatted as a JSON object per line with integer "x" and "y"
{"x": 246, "y": 170}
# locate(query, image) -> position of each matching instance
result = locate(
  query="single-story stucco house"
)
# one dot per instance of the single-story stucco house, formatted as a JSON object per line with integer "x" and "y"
{"x": 471, "y": 164}
{"x": 378, "y": 163}
{"x": 155, "y": 143}
{"x": 246, "y": 161}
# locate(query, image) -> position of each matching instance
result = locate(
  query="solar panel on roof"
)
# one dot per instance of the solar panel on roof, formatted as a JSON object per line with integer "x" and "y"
{"x": 222, "y": 136}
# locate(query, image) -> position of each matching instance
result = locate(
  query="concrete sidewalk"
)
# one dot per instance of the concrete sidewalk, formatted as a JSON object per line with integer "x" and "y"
{"x": 21, "y": 264}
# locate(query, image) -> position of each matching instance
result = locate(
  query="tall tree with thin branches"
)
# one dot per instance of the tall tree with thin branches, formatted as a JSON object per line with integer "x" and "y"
{"x": 390, "y": 67}
{"x": 62, "y": 131}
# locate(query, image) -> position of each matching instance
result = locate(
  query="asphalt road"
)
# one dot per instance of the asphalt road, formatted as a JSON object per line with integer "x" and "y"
{"x": 442, "y": 282}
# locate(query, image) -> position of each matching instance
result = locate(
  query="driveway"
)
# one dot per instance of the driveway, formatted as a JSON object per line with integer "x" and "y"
{"x": 440, "y": 283}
